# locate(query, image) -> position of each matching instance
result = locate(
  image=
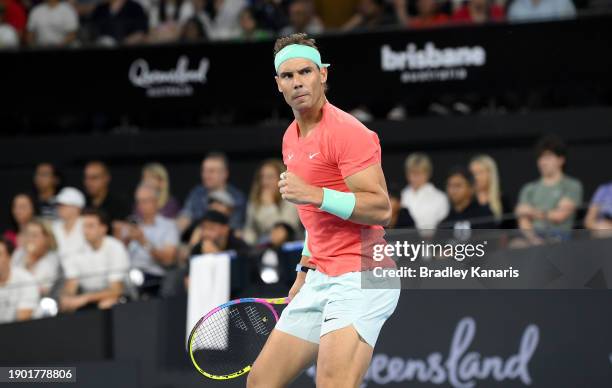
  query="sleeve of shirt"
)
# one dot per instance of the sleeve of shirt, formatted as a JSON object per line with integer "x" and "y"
{"x": 525, "y": 195}
{"x": 119, "y": 264}
{"x": 598, "y": 198}
{"x": 72, "y": 20}
{"x": 354, "y": 148}
{"x": 573, "y": 191}
{"x": 70, "y": 267}
{"x": 171, "y": 237}
{"x": 33, "y": 20}
{"x": 29, "y": 297}
{"x": 188, "y": 207}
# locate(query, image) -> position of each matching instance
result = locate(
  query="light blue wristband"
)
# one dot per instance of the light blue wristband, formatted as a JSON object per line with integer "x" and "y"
{"x": 338, "y": 203}
{"x": 305, "y": 251}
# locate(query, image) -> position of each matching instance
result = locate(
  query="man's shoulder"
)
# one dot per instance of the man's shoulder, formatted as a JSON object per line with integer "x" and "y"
{"x": 20, "y": 275}
{"x": 112, "y": 244}
{"x": 344, "y": 122}
{"x": 571, "y": 182}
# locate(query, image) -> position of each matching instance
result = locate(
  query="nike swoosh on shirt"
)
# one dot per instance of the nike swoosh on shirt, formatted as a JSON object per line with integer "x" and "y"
{"x": 329, "y": 319}
{"x": 310, "y": 156}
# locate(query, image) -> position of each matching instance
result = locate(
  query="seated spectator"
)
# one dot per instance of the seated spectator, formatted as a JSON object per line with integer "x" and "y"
{"x": 214, "y": 175}
{"x": 266, "y": 206}
{"x": 153, "y": 241}
{"x": 371, "y": 14}
{"x": 269, "y": 14}
{"x": 547, "y": 206}
{"x": 156, "y": 175}
{"x": 18, "y": 292}
{"x": 38, "y": 256}
{"x": 22, "y": 212}
{"x": 46, "y": 184}
{"x": 52, "y": 23}
{"x": 249, "y": 30}
{"x": 15, "y": 15}
{"x": 220, "y": 201}
{"x": 166, "y": 18}
{"x": 302, "y": 18}
{"x": 225, "y": 18}
{"x": 533, "y": 10}
{"x": 217, "y": 236}
{"x": 428, "y": 15}
{"x": 599, "y": 215}
{"x": 119, "y": 22}
{"x": 465, "y": 211}
{"x": 68, "y": 230}
{"x": 488, "y": 191}
{"x": 9, "y": 38}
{"x": 96, "y": 277}
{"x": 97, "y": 180}
{"x": 193, "y": 31}
{"x": 334, "y": 14}
{"x": 479, "y": 11}
{"x": 426, "y": 205}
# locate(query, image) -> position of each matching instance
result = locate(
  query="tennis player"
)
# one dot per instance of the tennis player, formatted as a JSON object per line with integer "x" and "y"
{"x": 334, "y": 175}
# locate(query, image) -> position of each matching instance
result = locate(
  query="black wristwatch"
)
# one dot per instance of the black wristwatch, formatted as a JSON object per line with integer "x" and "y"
{"x": 303, "y": 268}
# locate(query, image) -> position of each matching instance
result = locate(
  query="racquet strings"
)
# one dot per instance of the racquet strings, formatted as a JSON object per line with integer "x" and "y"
{"x": 232, "y": 338}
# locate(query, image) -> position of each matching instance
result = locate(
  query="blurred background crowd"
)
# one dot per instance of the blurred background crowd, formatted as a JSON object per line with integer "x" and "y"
{"x": 45, "y": 23}
{"x": 79, "y": 245}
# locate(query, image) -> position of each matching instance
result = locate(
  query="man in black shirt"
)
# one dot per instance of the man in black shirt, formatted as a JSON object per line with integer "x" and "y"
{"x": 96, "y": 180}
{"x": 120, "y": 22}
{"x": 465, "y": 212}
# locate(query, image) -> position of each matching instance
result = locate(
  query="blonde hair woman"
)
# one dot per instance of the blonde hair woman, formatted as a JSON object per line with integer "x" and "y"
{"x": 38, "y": 255}
{"x": 486, "y": 177}
{"x": 266, "y": 207}
{"x": 156, "y": 175}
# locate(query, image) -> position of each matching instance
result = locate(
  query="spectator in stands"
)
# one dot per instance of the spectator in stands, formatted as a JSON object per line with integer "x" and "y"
{"x": 156, "y": 175}
{"x": 96, "y": 180}
{"x": 214, "y": 175}
{"x": 547, "y": 206}
{"x": 428, "y": 15}
{"x": 487, "y": 186}
{"x": 371, "y": 14}
{"x": 120, "y": 22}
{"x": 96, "y": 277}
{"x": 479, "y": 11}
{"x": 22, "y": 212}
{"x": 465, "y": 212}
{"x": 38, "y": 256}
{"x": 217, "y": 236}
{"x": 15, "y": 15}
{"x": 250, "y": 31}
{"x": 68, "y": 230}
{"x": 224, "y": 18}
{"x": 8, "y": 35}
{"x": 18, "y": 292}
{"x": 533, "y": 10}
{"x": 153, "y": 240}
{"x": 302, "y": 18}
{"x": 395, "y": 198}
{"x": 46, "y": 184}
{"x": 334, "y": 14}
{"x": 599, "y": 215}
{"x": 166, "y": 18}
{"x": 193, "y": 31}
{"x": 426, "y": 205}
{"x": 269, "y": 14}
{"x": 266, "y": 207}
{"x": 52, "y": 23}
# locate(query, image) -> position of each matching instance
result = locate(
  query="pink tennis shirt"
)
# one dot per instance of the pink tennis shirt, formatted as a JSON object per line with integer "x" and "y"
{"x": 338, "y": 147}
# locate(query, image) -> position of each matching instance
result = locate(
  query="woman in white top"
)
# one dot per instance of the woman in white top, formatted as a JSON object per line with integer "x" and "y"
{"x": 266, "y": 207}
{"x": 426, "y": 205}
{"x": 38, "y": 255}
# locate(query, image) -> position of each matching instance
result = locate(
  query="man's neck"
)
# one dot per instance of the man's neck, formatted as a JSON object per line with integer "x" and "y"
{"x": 552, "y": 178}
{"x": 148, "y": 219}
{"x": 461, "y": 206}
{"x": 308, "y": 119}
{"x": 5, "y": 274}
{"x": 96, "y": 244}
{"x": 99, "y": 198}
{"x": 69, "y": 224}
{"x": 46, "y": 194}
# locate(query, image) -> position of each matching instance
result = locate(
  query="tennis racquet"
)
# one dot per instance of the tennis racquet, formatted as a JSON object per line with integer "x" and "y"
{"x": 225, "y": 342}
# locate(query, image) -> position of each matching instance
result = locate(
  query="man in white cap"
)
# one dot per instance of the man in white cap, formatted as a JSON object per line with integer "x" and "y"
{"x": 68, "y": 230}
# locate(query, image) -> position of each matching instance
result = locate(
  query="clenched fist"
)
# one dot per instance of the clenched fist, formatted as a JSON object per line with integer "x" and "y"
{"x": 295, "y": 190}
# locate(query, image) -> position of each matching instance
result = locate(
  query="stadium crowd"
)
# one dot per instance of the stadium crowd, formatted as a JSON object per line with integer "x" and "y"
{"x": 44, "y": 23}
{"x": 80, "y": 247}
